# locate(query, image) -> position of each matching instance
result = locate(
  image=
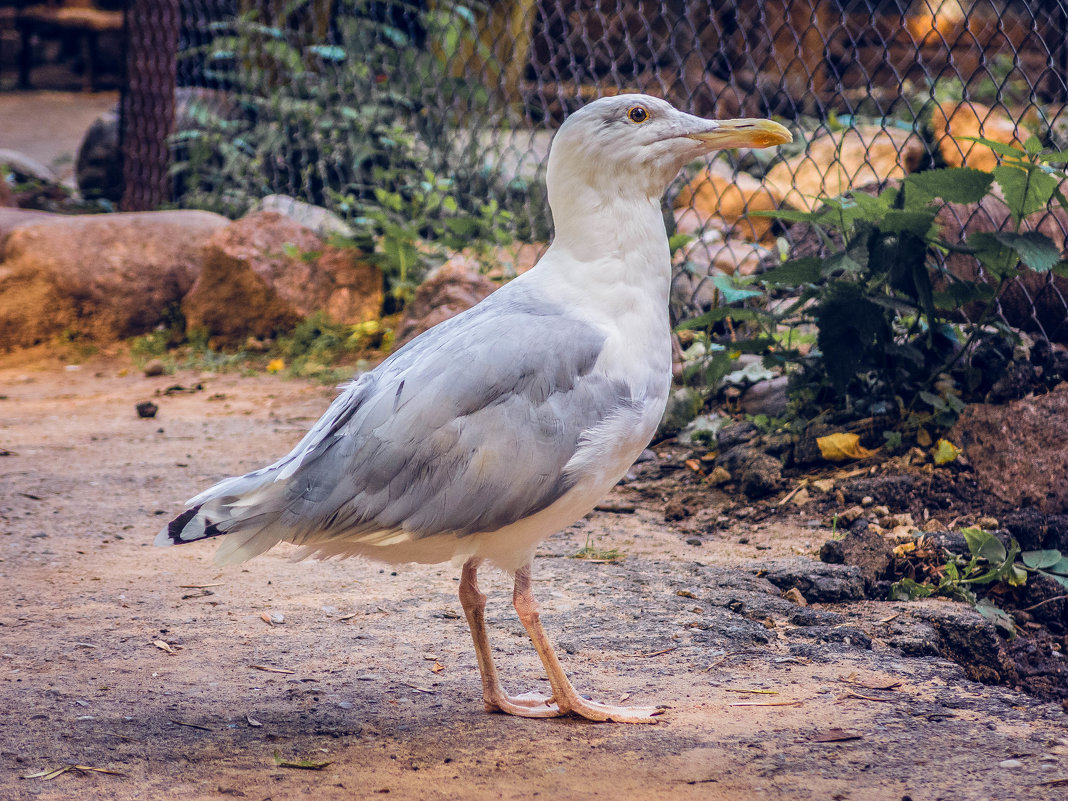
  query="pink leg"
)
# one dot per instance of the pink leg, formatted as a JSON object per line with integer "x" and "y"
{"x": 565, "y": 695}
{"x": 493, "y": 695}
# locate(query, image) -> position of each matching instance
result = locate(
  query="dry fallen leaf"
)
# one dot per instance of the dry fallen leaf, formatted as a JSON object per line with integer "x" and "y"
{"x": 54, "y": 772}
{"x": 904, "y": 548}
{"x": 300, "y": 764}
{"x": 272, "y": 618}
{"x": 165, "y": 646}
{"x": 842, "y": 447}
{"x": 835, "y": 736}
{"x": 766, "y": 703}
{"x": 438, "y": 667}
{"x": 253, "y": 722}
{"x": 945, "y": 452}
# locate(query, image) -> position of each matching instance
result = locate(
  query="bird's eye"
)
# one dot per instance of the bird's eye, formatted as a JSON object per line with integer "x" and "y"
{"x": 638, "y": 114}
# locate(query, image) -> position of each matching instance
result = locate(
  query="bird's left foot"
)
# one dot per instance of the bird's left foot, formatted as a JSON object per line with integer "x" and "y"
{"x": 591, "y": 710}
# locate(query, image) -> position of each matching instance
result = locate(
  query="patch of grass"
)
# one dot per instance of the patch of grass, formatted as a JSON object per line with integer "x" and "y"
{"x": 593, "y": 554}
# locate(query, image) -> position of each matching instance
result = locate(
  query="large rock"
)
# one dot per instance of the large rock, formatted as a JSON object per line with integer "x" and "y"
{"x": 837, "y": 162}
{"x": 101, "y": 276}
{"x": 1031, "y": 301}
{"x": 952, "y": 122}
{"x": 1019, "y": 450}
{"x": 265, "y": 272}
{"x": 720, "y": 198}
{"x": 453, "y": 287}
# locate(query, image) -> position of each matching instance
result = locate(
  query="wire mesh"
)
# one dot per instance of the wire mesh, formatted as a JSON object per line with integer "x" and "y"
{"x": 435, "y": 117}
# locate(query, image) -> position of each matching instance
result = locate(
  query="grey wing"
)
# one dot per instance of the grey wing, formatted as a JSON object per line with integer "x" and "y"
{"x": 467, "y": 430}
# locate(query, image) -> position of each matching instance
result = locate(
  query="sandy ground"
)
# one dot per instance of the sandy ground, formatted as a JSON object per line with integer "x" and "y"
{"x": 380, "y": 676}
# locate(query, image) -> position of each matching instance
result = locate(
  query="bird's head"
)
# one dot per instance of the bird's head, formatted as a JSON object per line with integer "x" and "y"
{"x": 634, "y": 143}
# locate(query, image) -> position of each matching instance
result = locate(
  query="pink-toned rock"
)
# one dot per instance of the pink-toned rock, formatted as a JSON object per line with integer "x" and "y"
{"x": 102, "y": 276}
{"x": 265, "y": 272}
{"x": 14, "y": 217}
{"x": 837, "y": 162}
{"x": 719, "y": 197}
{"x": 952, "y": 123}
{"x": 453, "y": 287}
{"x": 1019, "y": 450}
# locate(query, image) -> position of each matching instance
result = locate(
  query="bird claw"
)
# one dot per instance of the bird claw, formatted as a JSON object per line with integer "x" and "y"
{"x": 527, "y": 705}
{"x": 591, "y": 710}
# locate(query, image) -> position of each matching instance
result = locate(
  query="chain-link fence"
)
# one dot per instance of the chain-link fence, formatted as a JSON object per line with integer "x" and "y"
{"x": 431, "y": 119}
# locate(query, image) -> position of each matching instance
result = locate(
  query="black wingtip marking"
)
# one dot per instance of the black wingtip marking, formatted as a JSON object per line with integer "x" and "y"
{"x": 177, "y": 526}
{"x": 174, "y": 528}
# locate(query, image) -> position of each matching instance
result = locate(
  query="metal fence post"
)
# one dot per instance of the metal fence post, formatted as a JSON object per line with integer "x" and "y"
{"x": 148, "y": 101}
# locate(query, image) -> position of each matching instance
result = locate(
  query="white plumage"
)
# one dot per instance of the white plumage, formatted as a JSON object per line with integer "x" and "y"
{"x": 501, "y": 426}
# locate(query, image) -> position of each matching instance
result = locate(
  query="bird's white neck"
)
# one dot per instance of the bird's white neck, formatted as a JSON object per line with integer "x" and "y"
{"x": 611, "y": 238}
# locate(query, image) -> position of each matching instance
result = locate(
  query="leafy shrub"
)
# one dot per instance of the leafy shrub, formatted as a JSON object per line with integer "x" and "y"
{"x": 360, "y": 122}
{"x": 890, "y": 338}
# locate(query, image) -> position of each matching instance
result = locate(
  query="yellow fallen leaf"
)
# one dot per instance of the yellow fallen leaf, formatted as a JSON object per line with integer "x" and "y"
{"x": 275, "y": 366}
{"x": 904, "y": 548}
{"x": 841, "y": 446}
{"x": 945, "y": 452}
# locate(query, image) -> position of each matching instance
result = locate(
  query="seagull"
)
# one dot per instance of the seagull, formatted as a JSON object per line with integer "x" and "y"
{"x": 510, "y": 421}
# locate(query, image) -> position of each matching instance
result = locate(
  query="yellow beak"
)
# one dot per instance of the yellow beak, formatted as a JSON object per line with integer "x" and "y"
{"x": 743, "y": 133}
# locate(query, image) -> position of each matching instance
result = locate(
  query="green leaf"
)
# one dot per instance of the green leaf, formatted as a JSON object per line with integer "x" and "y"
{"x": 960, "y": 293}
{"x": 1041, "y": 559}
{"x": 1060, "y": 157}
{"x": 1001, "y": 619}
{"x": 996, "y": 257}
{"x": 945, "y": 451}
{"x": 907, "y": 590}
{"x": 1026, "y": 191}
{"x": 1000, "y": 148}
{"x": 1060, "y": 568}
{"x": 1061, "y": 269}
{"x": 789, "y": 215}
{"x": 1036, "y": 250}
{"x": 913, "y": 222}
{"x": 932, "y": 400}
{"x": 732, "y": 293}
{"x": 952, "y": 184}
{"x": 792, "y": 273}
{"x": 984, "y": 545}
{"x": 722, "y": 313}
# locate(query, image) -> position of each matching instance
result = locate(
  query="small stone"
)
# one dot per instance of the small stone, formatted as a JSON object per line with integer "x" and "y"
{"x": 987, "y": 523}
{"x": 146, "y": 409}
{"x": 794, "y": 596}
{"x": 849, "y": 515}
{"x": 1010, "y": 763}
{"x": 718, "y": 476}
{"x": 801, "y": 497}
{"x": 934, "y": 524}
{"x": 881, "y": 511}
{"x": 154, "y": 367}
{"x": 823, "y": 485}
{"x": 867, "y": 500}
{"x": 694, "y": 541}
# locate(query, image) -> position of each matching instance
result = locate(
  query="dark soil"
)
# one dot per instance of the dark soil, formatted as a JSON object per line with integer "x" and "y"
{"x": 1035, "y": 661}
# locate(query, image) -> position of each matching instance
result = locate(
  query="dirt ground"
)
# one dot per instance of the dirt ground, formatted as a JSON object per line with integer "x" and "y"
{"x": 148, "y": 662}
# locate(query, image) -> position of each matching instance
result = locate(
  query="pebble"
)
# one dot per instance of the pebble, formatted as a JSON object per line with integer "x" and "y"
{"x": 154, "y": 367}
{"x": 1010, "y": 763}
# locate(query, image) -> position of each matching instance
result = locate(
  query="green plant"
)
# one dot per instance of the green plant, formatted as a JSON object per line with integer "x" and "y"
{"x": 890, "y": 339}
{"x": 989, "y": 563}
{"x": 369, "y": 123}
